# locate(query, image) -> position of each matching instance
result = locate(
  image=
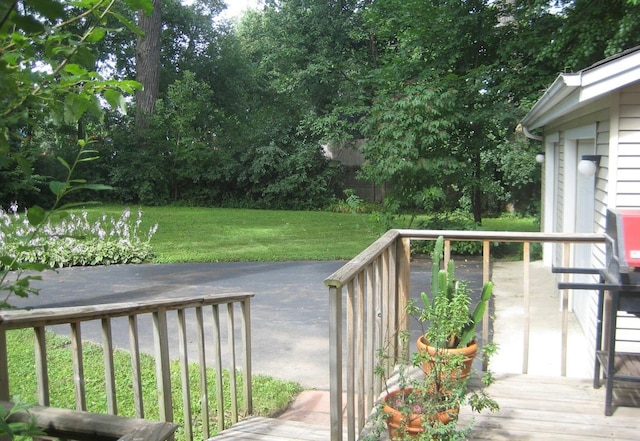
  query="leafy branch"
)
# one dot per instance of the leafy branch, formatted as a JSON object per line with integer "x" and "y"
{"x": 38, "y": 217}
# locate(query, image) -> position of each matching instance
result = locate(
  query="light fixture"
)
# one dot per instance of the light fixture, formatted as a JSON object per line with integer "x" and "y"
{"x": 540, "y": 157}
{"x": 588, "y": 165}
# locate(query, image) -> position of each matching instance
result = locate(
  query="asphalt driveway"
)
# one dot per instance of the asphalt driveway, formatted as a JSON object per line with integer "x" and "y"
{"x": 289, "y": 313}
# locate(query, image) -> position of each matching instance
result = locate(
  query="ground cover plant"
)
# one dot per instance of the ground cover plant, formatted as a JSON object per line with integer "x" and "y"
{"x": 271, "y": 396}
{"x": 70, "y": 239}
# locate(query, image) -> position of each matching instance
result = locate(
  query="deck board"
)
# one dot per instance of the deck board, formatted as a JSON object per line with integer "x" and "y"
{"x": 555, "y": 408}
{"x": 270, "y": 429}
{"x": 531, "y": 408}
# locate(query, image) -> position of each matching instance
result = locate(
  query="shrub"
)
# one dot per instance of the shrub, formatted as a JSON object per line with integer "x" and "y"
{"x": 449, "y": 221}
{"x": 72, "y": 240}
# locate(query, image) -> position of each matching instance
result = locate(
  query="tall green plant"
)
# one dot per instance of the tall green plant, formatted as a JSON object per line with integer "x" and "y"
{"x": 451, "y": 322}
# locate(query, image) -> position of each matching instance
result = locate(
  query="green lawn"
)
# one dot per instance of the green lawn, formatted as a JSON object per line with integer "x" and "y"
{"x": 226, "y": 235}
{"x": 187, "y": 234}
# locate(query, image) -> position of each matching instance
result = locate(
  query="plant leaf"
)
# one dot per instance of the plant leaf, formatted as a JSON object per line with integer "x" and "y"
{"x": 36, "y": 215}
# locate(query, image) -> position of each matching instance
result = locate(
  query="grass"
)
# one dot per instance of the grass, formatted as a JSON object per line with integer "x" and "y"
{"x": 228, "y": 235}
{"x": 508, "y": 223}
{"x": 188, "y": 234}
{"x": 270, "y": 396}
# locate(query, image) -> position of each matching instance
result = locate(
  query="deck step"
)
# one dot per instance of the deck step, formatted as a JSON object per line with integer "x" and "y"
{"x": 270, "y": 429}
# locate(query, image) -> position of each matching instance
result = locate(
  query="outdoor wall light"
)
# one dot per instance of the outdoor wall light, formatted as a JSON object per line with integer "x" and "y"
{"x": 540, "y": 157}
{"x": 588, "y": 165}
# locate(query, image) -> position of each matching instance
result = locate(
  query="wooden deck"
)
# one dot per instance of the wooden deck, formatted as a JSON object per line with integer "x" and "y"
{"x": 532, "y": 408}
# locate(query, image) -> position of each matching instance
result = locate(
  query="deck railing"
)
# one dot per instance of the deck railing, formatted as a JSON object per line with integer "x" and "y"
{"x": 205, "y": 328}
{"x": 367, "y": 301}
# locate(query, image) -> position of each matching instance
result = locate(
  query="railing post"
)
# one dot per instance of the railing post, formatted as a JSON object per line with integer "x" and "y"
{"x": 4, "y": 367}
{"x": 217, "y": 356}
{"x": 78, "y": 366}
{"x": 247, "y": 391}
{"x": 486, "y": 265}
{"x": 403, "y": 289}
{"x": 233, "y": 385}
{"x": 335, "y": 361}
{"x": 184, "y": 374}
{"x": 362, "y": 396}
{"x": 109, "y": 369}
{"x": 351, "y": 361}
{"x": 163, "y": 374}
{"x": 136, "y": 371}
{"x": 204, "y": 388}
{"x": 565, "y": 310}
{"x": 41, "y": 365}
{"x": 527, "y": 306}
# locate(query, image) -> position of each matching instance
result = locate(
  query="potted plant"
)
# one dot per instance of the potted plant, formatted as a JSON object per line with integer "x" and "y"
{"x": 423, "y": 405}
{"x": 451, "y": 325}
{"x": 425, "y": 392}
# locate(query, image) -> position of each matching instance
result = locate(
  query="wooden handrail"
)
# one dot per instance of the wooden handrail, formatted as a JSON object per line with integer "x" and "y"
{"x": 374, "y": 288}
{"x": 349, "y": 270}
{"x": 21, "y": 318}
{"x": 78, "y": 425}
{"x": 222, "y": 311}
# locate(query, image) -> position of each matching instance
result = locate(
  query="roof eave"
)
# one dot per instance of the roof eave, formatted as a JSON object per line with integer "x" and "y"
{"x": 562, "y": 87}
{"x": 570, "y": 91}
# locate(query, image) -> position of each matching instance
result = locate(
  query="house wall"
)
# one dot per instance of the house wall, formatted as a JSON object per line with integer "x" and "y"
{"x": 615, "y": 124}
{"x": 628, "y": 178}
{"x": 627, "y": 188}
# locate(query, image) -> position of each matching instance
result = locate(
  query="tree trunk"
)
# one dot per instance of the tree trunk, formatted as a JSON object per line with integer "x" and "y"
{"x": 476, "y": 191}
{"x": 148, "y": 63}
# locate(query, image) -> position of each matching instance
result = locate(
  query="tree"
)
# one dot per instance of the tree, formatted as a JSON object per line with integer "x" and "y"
{"x": 438, "y": 81}
{"x": 592, "y": 30}
{"x": 148, "y": 62}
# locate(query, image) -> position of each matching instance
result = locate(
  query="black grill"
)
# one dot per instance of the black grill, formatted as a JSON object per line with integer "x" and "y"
{"x": 621, "y": 280}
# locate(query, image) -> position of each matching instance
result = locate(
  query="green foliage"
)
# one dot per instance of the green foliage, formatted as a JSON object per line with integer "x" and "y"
{"x": 579, "y": 43}
{"x": 184, "y": 128}
{"x": 138, "y": 175}
{"x": 72, "y": 240}
{"x": 289, "y": 177}
{"x": 18, "y": 429}
{"x": 429, "y": 383}
{"x": 48, "y": 74}
{"x": 418, "y": 394}
{"x": 448, "y": 221}
{"x": 406, "y": 145}
{"x": 13, "y": 280}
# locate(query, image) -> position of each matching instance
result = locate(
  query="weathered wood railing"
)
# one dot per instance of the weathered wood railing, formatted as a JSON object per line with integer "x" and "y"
{"x": 196, "y": 332}
{"x": 86, "y": 426}
{"x": 367, "y": 300}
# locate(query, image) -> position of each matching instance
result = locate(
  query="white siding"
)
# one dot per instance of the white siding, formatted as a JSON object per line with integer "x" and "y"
{"x": 602, "y": 179}
{"x": 628, "y": 185}
{"x": 560, "y": 186}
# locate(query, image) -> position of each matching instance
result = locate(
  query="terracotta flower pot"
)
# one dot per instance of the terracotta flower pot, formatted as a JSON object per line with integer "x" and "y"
{"x": 400, "y": 425}
{"x": 468, "y": 353}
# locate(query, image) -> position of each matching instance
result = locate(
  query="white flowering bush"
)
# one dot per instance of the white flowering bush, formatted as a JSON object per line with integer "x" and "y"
{"x": 70, "y": 239}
